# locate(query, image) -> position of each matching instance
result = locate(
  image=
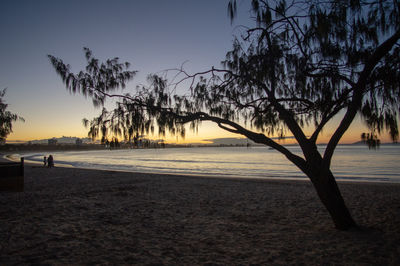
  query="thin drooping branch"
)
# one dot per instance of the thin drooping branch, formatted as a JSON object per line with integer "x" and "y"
{"x": 359, "y": 90}
{"x": 331, "y": 74}
{"x": 193, "y": 77}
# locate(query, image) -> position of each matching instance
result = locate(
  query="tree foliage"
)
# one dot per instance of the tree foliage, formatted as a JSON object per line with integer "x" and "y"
{"x": 6, "y": 118}
{"x": 300, "y": 65}
{"x": 317, "y": 58}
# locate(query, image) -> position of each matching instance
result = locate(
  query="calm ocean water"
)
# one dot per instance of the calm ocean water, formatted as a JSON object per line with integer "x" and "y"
{"x": 350, "y": 162}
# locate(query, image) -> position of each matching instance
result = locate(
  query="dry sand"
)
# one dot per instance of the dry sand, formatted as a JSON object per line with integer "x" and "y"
{"x": 76, "y": 216}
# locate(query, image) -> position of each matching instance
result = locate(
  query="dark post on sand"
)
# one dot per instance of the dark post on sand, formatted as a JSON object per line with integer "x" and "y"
{"x": 12, "y": 176}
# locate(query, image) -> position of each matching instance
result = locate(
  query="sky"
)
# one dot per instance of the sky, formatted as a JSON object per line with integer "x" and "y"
{"x": 153, "y": 35}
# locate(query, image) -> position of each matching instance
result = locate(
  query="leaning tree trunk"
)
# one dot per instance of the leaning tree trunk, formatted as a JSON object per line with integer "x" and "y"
{"x": 329, "y": 193}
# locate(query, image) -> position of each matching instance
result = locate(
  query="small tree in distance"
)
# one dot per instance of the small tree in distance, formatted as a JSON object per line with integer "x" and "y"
{"x": 6, "y": 118}
{"x": 301, "y": 65}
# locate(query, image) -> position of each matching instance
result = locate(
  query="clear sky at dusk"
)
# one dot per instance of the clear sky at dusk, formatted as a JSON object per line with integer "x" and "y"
{"x": 152, "y": 35}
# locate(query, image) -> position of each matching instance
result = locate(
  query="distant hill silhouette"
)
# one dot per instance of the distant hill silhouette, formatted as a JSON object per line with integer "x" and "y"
{"x": 234, "y": 141}
{"x": 385, "y": 143}
{"x": 230, "y": 141}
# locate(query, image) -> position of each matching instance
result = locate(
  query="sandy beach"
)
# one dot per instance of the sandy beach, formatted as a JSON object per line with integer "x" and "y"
{"x": 69, "y": 216}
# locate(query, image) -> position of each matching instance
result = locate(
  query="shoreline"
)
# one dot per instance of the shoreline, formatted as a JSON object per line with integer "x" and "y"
{"x": 80, "y": 216}
{"x": 6, "y": 157}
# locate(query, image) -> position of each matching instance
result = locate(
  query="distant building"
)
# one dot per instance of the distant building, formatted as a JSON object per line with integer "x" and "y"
{"x": 78, "y": 142}
{"x": 52, "y": 141}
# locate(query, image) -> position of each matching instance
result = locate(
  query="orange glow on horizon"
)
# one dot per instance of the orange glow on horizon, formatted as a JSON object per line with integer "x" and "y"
{"x": 207, "y": 131}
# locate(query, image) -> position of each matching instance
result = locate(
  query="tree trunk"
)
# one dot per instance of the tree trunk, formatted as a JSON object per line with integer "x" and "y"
{"x": 330, "y": 195}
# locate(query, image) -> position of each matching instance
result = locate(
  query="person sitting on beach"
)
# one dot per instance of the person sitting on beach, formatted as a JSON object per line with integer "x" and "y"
{"x": 50, "y": 161}
{"x": 44, "y": 161}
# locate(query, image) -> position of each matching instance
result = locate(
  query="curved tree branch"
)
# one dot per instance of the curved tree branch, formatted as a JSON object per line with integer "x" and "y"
{"x": 256, "y": 137}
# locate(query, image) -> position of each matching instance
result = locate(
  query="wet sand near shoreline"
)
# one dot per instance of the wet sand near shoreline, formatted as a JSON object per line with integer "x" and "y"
{"x": 77, "y": 216}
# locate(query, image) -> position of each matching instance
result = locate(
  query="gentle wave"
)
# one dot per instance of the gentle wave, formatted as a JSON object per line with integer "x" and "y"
{"x": 193, "y": 161}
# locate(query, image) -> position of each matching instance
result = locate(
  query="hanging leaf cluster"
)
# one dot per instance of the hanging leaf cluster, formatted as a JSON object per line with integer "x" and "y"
{"x": 6, "y": 117}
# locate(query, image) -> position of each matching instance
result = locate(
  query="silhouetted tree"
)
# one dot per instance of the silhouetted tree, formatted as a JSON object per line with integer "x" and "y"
{"x": 112, "y": 144}
{"x": 302, "y": 64}
{"x": 6, "y": 118}
{"x": 136, "y": 141}
{"x": 105, "y": 142}
{"x": 116, "y": 143}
